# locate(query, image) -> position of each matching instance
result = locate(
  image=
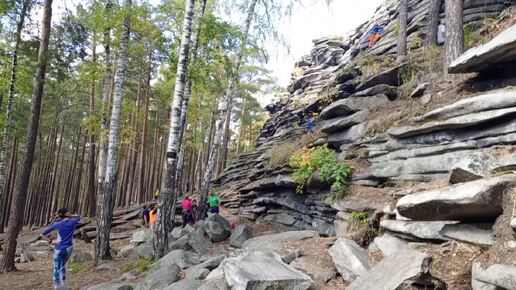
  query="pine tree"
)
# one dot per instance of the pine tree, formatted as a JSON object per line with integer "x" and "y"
{"x": 454, "y": 45}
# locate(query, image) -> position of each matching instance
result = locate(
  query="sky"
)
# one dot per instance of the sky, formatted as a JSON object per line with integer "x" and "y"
{"x": 311, "y": 22}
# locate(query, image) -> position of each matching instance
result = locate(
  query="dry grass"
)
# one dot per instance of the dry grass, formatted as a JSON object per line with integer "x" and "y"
{"x": 280, "y": 154}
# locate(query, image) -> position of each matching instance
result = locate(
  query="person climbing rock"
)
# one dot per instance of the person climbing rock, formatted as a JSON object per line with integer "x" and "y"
{"x": 194, "y": 209}
{"x": 186, "y": 214}
{"x": 441, "y": 34}
{"x": 153, "y": 216}
{"x": 65, "y": 228}
{"x": 145, "y": 216}
{"x": 213, "y": 202}
{"x": 375, "y": 34}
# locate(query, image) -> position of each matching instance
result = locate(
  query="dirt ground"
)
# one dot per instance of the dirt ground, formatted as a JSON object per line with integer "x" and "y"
{"x": 38, "y": 274}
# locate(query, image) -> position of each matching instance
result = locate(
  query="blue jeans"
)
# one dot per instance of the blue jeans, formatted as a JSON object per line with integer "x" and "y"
{"x": 60, "y": 258}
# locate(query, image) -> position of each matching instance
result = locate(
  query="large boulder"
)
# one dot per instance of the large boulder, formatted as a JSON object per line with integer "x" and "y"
{"x": 146, "y": 251}
{"x": 274, "y": 242}
{"x": 397, "y": 272}
{"x": 452, "y": 123}
{"x": 80, "y": 256}
{"x": 129, "y": 251}
{"x": 476, "y": 234}
{"x": 499, "y": 52}
{"x": 389, "y": 91}
{"x": 181, "y": 258}
{"x": 198, "y": 241}
{"x": 185, "y": 284}
{"x": 240, "y": 234}
{"x": 141, "y": 236}
{"x": 160, "y": 277}
{"x": 351, "y": 260}
{"x": 217, "y": 228}
{"x": 340, "y": 123}
{"x": 350, "y": 105}
{"x": 349, "y": 135}
{"x": 416, "y": 231}
{"x": 260, "y": 270}
{"x": 107, "y": 286}
{"x": 388, "y": 77}
{"x": 390, "y": 245}
{"x": 476, "y": 166}
{"x": 481, "y": 199}
{"x": 493, "y": 277}
{"x": 278, "y": 181}
{"x": 318, "y": 271}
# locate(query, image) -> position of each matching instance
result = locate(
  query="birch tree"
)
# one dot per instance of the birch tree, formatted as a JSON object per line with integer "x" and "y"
{"x": 6, "y": 134}
{"x": 222, "y": 111}
{"x": 22, "y": 182}
{"x": 402, "y": 29}
{"x": 168, "y": 197}
{"x": 110, "y": 180}
{"x": 454, "y": 45}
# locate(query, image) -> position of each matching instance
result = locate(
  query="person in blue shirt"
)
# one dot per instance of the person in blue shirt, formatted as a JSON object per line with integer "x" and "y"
{"x": 65, "y": 228}
{"x": 376, "y": 31}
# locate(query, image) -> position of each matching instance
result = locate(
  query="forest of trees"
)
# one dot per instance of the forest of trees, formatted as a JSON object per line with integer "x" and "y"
{"x": 105, "y": 102}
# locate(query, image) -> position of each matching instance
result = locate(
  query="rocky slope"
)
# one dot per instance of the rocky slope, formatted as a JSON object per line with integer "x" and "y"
{"x": 430, "y": 165}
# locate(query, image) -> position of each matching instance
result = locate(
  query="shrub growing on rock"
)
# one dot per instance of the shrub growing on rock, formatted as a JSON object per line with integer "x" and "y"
{"x": 307, "y": 161}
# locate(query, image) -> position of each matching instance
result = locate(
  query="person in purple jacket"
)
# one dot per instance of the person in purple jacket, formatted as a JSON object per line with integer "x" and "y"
{"x": 65, "y": 228}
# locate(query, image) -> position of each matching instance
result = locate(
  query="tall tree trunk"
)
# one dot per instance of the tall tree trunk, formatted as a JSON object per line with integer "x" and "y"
{"x": 454, "y": 45}
{"x": 433, "y": 21}
{"x": 104, "y": 125}
{"x": 6, "y": 134}
{"x": 143, "y": 148}
{"x": 402, "y": 29}
{"x": 223, "y": 107}
{"x": 22, "y": 183}
{"x": 91, "y": 153}
{"x": 109, "y": 183}
{"x": 168, "y": 196}
{"x": 225, "y": 142}
{"x": 188, "y": 92}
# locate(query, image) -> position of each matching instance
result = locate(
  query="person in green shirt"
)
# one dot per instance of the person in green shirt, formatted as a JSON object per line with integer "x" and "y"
{"x": 157, "y": 194}
{"x": 213, "y": 202}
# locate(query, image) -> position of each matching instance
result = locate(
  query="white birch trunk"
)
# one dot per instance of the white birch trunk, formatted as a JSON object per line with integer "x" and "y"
{"x": 109, "y": 182}
{"x": 168, "y": 197}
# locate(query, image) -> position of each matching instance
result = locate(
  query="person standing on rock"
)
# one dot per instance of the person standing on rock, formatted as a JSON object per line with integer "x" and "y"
{"x": 153, "y": 216}
{"x": 213, "y": 202}
{"x": 65, "y": 228}
{"x": 186, "y": 214}
{"x": 145, "y": 216}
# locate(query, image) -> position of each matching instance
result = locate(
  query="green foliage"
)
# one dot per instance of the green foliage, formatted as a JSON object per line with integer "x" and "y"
{"x": 307, "y": 161}
{"x": 139, "y": 266}
{"x": 361, "y": 217}
{"x": 76, "y": 267}
{"x": 471, "y": 36}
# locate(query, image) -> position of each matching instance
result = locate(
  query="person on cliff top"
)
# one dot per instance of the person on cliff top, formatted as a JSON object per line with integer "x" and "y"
{"x": 213, "y": 202}
{"x": 65, "y": 228}
{"x": 376, "y": 30}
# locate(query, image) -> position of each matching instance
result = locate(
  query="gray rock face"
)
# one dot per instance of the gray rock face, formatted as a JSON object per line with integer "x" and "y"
{"x": 416, "y": 231}
{"x": 390, "y": 245}
{"x": 217, "y": 228}
{"x": 240, "y": 234}
{"x": 178, "y": 232}
{"x": 350, "y": 105}
{"x": 495, "y": 276}
{"x": 141, "y": 236}
{"x": 259, "y": 270}
{"x": 452, "y": 123}
{"x": 80, "y": 256}
{"x": 466, "y": 201}
{"x": 340, "y": 123}
{"x": 160, "y": 278}
{"x": 351, "y": 260}
{"x": 180, "y": 258}
{"x": 274, "y": 242}
{"x": 419, "y": 91}
{"x": 215, "y": 284}
{"x": 476, "y": 234}
{"x": 494, "y": 100}
{"x": 389, "y": 77}
{"x": 145, "y": 251}
{"x": 278, "y": 181}
{"x": 513, "y": 224}
{"x": 185, "y": 284}
{"x": 474, "y": 167}
{"x": 107, "y": 286}
{"x": 128, "y": 251}
{"x": 389, "y": 91}
{"x": 349, "y": 135}
{"x": 318, "y": 272}
{"x": 497, "y": 52}
{"x": 396, "y": 272}
{"x": 199, "y": 240}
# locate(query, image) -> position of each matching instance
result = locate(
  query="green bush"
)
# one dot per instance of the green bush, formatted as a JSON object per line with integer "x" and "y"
{"x": 307, "y": 161}
{"x": 139, "y": 266}
{"x": 361, "y": 217}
